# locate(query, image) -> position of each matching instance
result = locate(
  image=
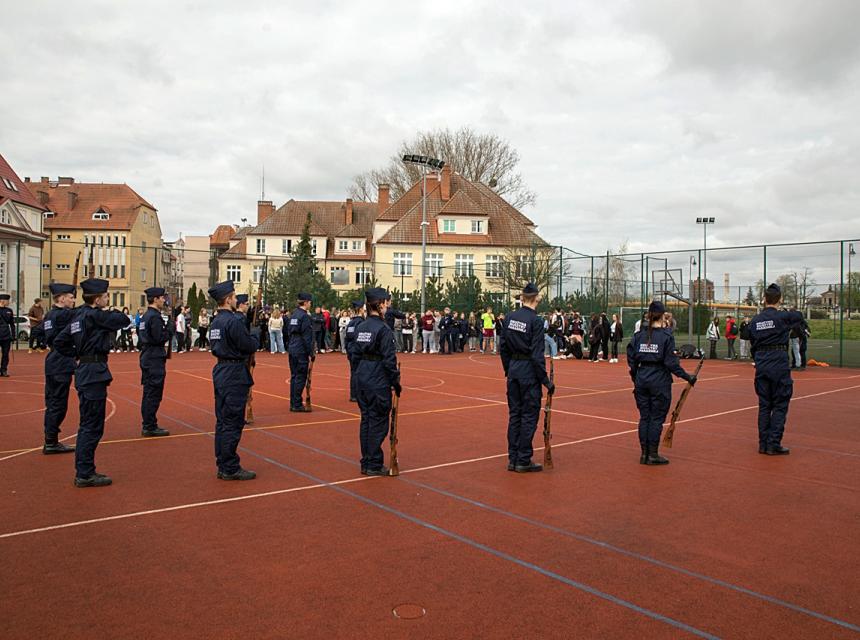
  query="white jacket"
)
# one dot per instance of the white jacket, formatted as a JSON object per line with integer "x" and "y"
{"x": 713, "y": 332}
{"x": 180, "y": 323}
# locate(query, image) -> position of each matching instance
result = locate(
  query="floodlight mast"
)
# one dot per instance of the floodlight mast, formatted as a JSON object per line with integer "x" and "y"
{"x": 424, "y": 162}
{"x": 705, "y": 222}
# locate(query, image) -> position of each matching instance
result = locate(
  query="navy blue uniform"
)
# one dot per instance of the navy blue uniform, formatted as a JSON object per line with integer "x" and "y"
{"x": 652, "y": 362}
{"x": 525, "y": 368}
{"x": 769, "y": 346}
{"x": 88, "y": 337}
{"x": 351, "y": 353}
{"x": 376, "y": 373}
{"x": 153, "y": 336}
{"x": 446, "y": 331}
{"x": 7, "y": 333}
{"x": 231, "y": 344}
{"x": 301, "y": 349}
{"x": 58, "y": 373}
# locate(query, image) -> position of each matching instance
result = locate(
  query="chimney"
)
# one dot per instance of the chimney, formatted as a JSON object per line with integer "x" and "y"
{"x": 265, "y": 208}
{"x": 73, "y": 198}
{"x": 66, "y": 181}
{"x": 44, "y": 180}
{"x": 446, "y": 183}
{"x": 348, "y": 217}
{"x": 27, "y": 179}
{"x": 382, "y": 198}
{"x": 43, "y": 198}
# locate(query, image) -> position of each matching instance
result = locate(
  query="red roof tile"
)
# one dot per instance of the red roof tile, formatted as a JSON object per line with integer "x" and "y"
{"x": 20, "y": 193}
{"x": 120, "y": 200}
{"x": 222, "y": 235}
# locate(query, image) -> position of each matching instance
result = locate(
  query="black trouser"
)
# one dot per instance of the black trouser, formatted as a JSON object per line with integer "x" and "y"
{"x": 188, "y": 338}
{"x": 731, "y": 344}
{"x": 446, "y": 339}
{"x": 319, "y": 340}
{"x": 298, "y": 379}
{"x": 56, "y": 404}
{"x": 803, "y": 343}
{"x": 37, "y": 336}
{"x": 615, "y": 349}
{"x": 202, "y": 342}
{"x": 524, "y": 398}
{"x": 125, "y": 342}
{"x": 353, "y": 378}
{"x": 774, "y": 387}
{"x": 180, "y": 341}
{"x": 375, "y": 405}
{"x": 593, "y": 349}
{"x": 653, "y": 399}
{"x": 604, "y": 343}
{"x": 713, "y": 354}
{"x": 5, "y": 345}
{"x": 152, "y": 380}
{"x": 229, "y": 421}
{"x": 407, "y": 342}
{"x": 92, "y": 399}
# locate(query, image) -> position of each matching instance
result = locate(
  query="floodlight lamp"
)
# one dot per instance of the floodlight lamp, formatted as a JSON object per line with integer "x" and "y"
{"x": 711, "y": 220}
{"x": 698, "y": 221}
{"x": 407, "y": 158}
{"x": 421, "y": 159}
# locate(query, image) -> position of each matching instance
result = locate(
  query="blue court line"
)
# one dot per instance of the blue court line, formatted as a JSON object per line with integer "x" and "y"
{"x": 468, "y": 541}
{"x": 593, "y": 541}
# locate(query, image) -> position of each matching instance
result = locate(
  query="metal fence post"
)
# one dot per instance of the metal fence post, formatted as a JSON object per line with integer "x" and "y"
{"x": 841, "y": 298}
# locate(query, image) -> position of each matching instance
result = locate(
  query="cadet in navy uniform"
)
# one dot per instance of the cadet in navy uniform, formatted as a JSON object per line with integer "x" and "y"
{"x": 301, "y": 350}
{"x": 154, "y": 340}
{"x": 231, "y": 344}
{"x": 7, "y": 333}
{"x": 58, "y": 368}
{"x": 349, "y": 339}
{"x": 88, "y": 338}
{"x": 377, "y": 375}
{"x": 525, "y": 370}
{"x": 769, "y": 346}
{"x": 652, "y": 361}
{"x": 242, "y": 306}
{"x": 446, "y": 329}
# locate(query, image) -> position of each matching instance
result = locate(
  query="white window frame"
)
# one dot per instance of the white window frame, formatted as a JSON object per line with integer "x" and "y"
{"x": 477, "y": 226}
{"x": 313, "y": 246}
{"x": 357, "y": 245}
{"x": 464, "y": 264}
{"x": 493, "y": 266}
{"x": 363, "y": 275}
{"x": 332, "y": 271}
{"x": 435, "y": 264}
{"x": 402, "y": 263}
{"x": 63, "y": 236}
{"x": 234, "y": 272}
{"x": 143, "y": 274}
{"x": 286, "y": 246}
{"x": 449, "y": 226}
{"x": 257, "y": 273}
{"x": 5, "y": 218}
{"x": 343, "y": 245}
{"x": 101, "y": 215}
{"x": 261, "y": 247}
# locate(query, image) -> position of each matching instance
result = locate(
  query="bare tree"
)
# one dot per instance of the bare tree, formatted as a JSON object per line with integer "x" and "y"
{"x": 479, "y": 157}
{"x": 620, "y": 271}
{"x": 804, "y": 286}
{"x": 540, "y": 264}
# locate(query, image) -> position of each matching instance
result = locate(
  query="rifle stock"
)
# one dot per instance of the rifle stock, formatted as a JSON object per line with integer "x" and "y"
{"x": 76, "y": 277}
{"x": 252, "y": 359}
{"x": 308, "y": 385}
{"x": 669, "y": 436}
{"x": 394, "y": 467}
{"x": 547, "y": 423}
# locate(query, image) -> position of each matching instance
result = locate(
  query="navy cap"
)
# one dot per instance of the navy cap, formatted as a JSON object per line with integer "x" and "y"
{"x": 94, "y": 286}
{"x": 656, "y": 307}
{"x": 530, "y": 290}
{"x": 221, "y": 290}
{"x": 58, "y": 288}
{"x": 154, "y": 292}
{"x": 5, "y": 296}
{"x": 357, "y": 304}
{"x": 375, "y": 294}
{"x": 773, "y": 289}
{"x": 304, "y": 297}
{"x": 242, "y": 298}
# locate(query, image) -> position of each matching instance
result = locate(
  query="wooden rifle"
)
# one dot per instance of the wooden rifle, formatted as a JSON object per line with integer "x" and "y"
{"x": 670, "y": 432}
{"x": 394, "y": 467}
{"x": 171, "y": 329}
{"x": 547, "y": 422}
{"x": 308, "y": 384}
{"x": 252, "y": 359}
{"x": 91, "y": 267}
{"x": 76, "y": 277}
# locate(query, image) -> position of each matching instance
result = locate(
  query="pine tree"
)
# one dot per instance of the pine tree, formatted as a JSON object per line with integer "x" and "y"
{"x": 464, "y": 293}
{"x": 193, "y": 303}
{"x": 300, "y": 275}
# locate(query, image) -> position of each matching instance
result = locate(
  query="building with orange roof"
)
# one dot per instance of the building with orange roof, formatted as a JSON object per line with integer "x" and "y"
{"x": 111, "y": 226}
{"x": 21, "y": 240}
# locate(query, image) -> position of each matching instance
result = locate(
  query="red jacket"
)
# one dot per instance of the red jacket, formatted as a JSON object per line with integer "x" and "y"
{"x": 729, "y": 324}
{"x": 427, "y": 323}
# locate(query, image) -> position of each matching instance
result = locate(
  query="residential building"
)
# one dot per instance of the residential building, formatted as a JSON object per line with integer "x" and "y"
{"x": 703, "y": 290}
{"x": 198, "y": 266}
{"x": 110, "y": 226}
{"x": 21, "y": 240}
{"x": 173, "y": 261}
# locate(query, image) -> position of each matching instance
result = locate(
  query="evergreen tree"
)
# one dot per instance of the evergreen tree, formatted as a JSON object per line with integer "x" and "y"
{"x": 749, "y": 299}
{"x": 434, "y": 294}
{"x": 193, "y": 303}
{"x": 300, "y": 275}
{"x": 464, "y": 293}
{"x": 201, "y": 300}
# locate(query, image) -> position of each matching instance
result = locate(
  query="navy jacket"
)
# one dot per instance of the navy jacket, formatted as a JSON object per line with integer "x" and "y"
{"x": 770, "y": 328}
{"x": 523, "y": 345}
{"x": 231, "y": 344}
{"x": 300, "y": 333}
{"x": 89, "y": 334}
{"x": 655, "y": 360}
{"x": 446, "y": 323}
{"x": 349, "y": 339}
{"x": 374, "y": 344}
{"x": 152, "y": 335}
{"x": 56, "y": 320}
{"x": 7, "y": 324}
{"x": 391, "y": 315}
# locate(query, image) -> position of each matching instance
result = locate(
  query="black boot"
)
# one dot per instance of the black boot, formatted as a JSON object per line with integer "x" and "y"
{"x": 644, "y": 456}
{"x": 50, "y": 448}
{"x": 154, "y": 432}
{"x": 654, "y": 458}
{"x": 777, "y": 450}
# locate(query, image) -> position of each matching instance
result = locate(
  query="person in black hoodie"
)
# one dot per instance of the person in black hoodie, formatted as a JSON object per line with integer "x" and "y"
{"x": 616, "y": 335}
{"x": 604, "y": 336}
{"x": 594, "y": 338}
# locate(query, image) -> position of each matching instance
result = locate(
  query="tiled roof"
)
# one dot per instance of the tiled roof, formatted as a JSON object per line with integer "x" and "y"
{"x": 505, "y": 227}
{"x": 120, "y": 200}
{"x": 351, "y": 231}
{"x": 238, "y": 250}
{"x": 222, "y": 234}
{"x": 20, "y": 193}
{"x": 327, "y": 219}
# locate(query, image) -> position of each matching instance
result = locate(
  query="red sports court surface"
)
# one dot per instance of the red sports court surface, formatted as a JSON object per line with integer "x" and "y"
{"x": 722, "y": 542}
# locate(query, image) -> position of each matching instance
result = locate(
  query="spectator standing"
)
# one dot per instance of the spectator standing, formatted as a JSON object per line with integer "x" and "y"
{"x": 407, "y": 329}
{"x": 437, "y": 331}
{"x": 604, "y": 336}
{"x": 203, "y": 330}
{"x": 804, "y": 337}
{"x": 36, "y": 316}
{"x": 276, "y": 332}
{"x": 125, "y": 341}
{"x": 499, "y": 331}
{"x": 189, "y": 324}
{"x": 744, "y": 334}
{"x": 731, "y": 336}
{"x": 476, "y": 333}
{"x": 428, "y": 322}
{"x": 342, "y": 324}
{"x": 550, "y": 345}
{"x": 317, "y": 321}
{"x": 593, "y": 337}
{"x": 180, "y": 331}
{"x": 713, "y": 336}
{"x": 488, "y": 325}
{"x": 465, "y": 326}
{"x": 616, "y": 335}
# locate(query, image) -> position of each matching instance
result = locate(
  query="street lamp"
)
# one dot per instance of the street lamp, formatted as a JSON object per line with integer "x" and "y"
{"x": 433, "y": 163}
{"x": 705, "y": 222}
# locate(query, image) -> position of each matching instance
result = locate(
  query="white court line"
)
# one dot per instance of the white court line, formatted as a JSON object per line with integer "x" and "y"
{"x": 192, "y": 505}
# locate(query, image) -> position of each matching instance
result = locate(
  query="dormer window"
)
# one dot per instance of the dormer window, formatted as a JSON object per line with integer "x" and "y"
{"x": 343, "y": 245}
{"x": 100, "y": 215}
{"x": 48, "y": 214}
{"x": 10, "y": 185}
{"x": 477, "y": 226}
{"x": 449, "y": 226}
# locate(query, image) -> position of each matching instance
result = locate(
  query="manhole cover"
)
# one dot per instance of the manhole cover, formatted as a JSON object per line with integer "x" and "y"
{"x": 408, "y": 611}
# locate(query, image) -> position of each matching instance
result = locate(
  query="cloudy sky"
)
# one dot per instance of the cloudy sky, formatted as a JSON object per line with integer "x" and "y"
{"x": 631, "y": 118}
